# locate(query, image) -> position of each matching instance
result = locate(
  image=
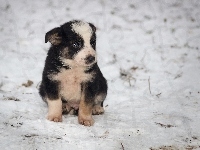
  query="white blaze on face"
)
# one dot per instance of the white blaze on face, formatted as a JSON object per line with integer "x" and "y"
{"x": 85, "y": 31}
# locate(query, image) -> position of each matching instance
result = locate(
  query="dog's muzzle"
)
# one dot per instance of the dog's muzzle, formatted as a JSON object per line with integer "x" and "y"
{"x": 89, "y": 59}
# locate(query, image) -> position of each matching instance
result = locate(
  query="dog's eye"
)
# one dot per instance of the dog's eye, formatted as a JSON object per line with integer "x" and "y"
{"x": 76, "y": 44}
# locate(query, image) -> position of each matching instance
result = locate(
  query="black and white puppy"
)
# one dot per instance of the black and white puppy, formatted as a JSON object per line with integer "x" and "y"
{"x": 71, "y": 77}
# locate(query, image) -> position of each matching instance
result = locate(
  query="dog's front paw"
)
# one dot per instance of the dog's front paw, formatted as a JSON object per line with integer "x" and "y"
{"x": 55, "y": 118}
{"x": 86, "y": 120}
{"x": 55, "y": 110}
{"x": 97, "y": 110}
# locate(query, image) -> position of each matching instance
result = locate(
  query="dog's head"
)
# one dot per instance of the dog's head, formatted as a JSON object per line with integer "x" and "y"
{"x": 77, "y": 41}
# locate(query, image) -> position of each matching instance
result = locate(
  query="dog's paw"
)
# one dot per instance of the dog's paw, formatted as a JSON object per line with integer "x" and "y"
{"x": 97, "y": 110}
{"x": 86, "y": 120}
{"x": 55, "y": 118}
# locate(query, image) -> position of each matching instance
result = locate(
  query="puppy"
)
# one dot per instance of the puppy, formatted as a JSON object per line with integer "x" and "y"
{"x": 72, "y": 80}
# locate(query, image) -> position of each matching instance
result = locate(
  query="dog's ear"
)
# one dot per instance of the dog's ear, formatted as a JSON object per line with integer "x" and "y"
{"x": 54, "y": 36}
{"x": 93, "y": 27}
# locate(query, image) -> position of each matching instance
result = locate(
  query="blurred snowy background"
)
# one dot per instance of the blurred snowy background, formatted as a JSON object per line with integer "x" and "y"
{"x": 148, "y": 50}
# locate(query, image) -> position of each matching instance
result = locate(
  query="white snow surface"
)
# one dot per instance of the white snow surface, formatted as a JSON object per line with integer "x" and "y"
{"x": 149, "y": 52}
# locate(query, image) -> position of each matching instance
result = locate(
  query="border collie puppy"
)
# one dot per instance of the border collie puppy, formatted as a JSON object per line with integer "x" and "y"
{"x": 72, "y": 80}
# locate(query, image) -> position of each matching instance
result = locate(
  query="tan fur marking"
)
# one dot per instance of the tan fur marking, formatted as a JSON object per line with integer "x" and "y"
{"x": 54, "y": 110}
{"x": 85, "y": 113}
{"x": 55, "y": 39}
{"x": 71, "y": 80}
{"x": 97, "y": 110}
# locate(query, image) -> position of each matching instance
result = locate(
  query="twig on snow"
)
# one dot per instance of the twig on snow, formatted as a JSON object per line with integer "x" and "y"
{"x": 122, "y": 146}
{"x": 158, "y": 95}
{"x": 149, "y": 85}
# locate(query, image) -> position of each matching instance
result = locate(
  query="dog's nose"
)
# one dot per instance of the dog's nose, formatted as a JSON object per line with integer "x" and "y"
{"x": 89, "y": 59}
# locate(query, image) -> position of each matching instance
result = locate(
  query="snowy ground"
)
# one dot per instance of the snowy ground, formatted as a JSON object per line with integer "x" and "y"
{"x": 149, "y": 51}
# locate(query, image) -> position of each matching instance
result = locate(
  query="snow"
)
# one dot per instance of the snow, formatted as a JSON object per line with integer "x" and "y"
{"x": 149, "y": 51}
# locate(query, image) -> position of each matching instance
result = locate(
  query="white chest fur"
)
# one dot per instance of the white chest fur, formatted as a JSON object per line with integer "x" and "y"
{"x": 70, "y": 83}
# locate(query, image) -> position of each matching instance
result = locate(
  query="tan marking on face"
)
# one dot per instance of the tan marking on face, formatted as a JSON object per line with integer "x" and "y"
{"x": 69, "y": 62}
{"x": 70, "y": 81}
{"x": 54, "y": 110}
{"x": 64, "y": 52}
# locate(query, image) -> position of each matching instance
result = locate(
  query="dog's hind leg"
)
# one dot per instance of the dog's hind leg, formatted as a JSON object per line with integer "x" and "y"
{"x": 97, "y": 110}
{"x": 98, "y": 107}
